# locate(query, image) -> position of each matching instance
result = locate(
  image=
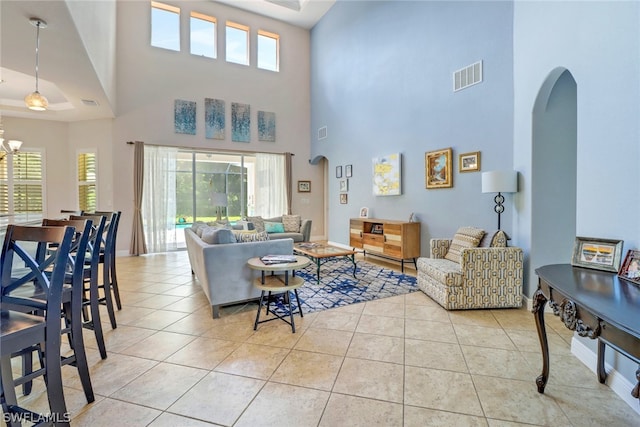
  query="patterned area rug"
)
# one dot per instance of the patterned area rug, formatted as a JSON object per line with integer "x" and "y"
{"x": 338, "y": 287}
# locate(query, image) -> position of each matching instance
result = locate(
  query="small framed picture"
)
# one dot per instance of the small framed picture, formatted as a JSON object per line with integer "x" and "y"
{"x": 630, "y": 269}
{"x": 338, "y": 171}
{"x": 304, "y": 186}
{"x": 344, "y": 185}
{"x": 469, "y": 162}
{"x": 599, "y": 254}
{"x": 348, "y": 172}
{"x": 364, "y": 212}
{"x": 343, "y": 198}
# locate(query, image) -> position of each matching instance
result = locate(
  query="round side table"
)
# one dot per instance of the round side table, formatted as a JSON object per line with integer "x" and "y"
{"x": 282, "y": 283}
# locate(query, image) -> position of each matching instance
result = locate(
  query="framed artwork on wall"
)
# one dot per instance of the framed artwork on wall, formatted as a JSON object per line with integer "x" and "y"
{"x": 304, "y": 186}
{"x": 469, "y": 162}
{"x": 348, "y": 172}
{"x": 599, "y": 254}
{"x": 343, "y": 198}
{"x": 437, "y": 169}
{"x": 338, "y": 171}
{"x": 387, "y": 175}
{"x": 344, "y": 185}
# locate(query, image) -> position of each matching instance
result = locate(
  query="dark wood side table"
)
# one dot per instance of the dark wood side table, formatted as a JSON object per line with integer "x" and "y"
{"x": 595, "y": 304}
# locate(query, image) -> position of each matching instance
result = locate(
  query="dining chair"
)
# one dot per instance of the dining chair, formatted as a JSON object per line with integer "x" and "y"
{"x": 115, "y": 222}
{"x": 19, "y": 330}
{"x": 29, "y": 298}
{"x": 104, "y": 258}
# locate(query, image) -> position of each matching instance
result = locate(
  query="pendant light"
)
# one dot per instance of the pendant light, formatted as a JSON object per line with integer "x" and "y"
{"x": 35, "y": 101}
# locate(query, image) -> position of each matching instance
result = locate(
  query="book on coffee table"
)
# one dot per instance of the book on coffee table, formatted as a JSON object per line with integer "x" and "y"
{"x": 277, "y": 259}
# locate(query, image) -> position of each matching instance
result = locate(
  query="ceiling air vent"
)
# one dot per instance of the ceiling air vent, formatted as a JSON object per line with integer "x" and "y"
{"x": 322, "y": 132}
{"x": 89, "y": 102}
{"x": 467, "y": 76}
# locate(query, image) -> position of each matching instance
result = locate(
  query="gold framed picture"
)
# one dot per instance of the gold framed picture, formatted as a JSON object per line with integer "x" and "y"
{"x": 469, "y": 162}
{"x": 304, "y": 186}
{"x": 437, "y": 165}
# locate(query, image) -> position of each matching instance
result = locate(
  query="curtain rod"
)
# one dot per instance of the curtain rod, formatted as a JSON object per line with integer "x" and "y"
{"x": 204, "y": 149}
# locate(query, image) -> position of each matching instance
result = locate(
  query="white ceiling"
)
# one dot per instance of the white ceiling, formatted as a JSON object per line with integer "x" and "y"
{"x": 66, "y": 74}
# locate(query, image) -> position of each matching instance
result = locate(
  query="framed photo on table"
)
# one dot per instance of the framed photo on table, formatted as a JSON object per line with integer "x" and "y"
{"x": 630, "y": 269}
{"x": 598, "y": 254}
{"x": 304, "y": 186}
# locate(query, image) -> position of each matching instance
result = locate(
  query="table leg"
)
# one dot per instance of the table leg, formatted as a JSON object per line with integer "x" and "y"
{"x": 352, "y": 257}
{"x": 255, "y": 325}
{"x": 602, "y": 374}
{"x": 539, "y": 302}
{"x": 318, "y": 268}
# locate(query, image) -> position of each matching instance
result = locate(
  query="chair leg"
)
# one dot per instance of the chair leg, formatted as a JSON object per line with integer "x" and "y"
{"x": 8, "y": 397}
{"x": 106, "y": 300}
{"x": 114, "y": 284}
{"x": 92, "y": 316}
{"x": 53, "y": 379}
{"x": 79, "y": 354}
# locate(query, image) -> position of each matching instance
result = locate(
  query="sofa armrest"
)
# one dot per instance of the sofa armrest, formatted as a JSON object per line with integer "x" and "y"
{"x": 305, "y": 229}
{"x": 494, "y": 265}
{"x": 439, "y": 247}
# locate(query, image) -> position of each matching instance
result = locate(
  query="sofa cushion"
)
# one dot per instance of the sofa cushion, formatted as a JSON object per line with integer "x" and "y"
{"x": 465, "y": 237}
{"x": 291, "y": 223}
{"x": 217, "y": 235}
{"x": 258, "y": 236}
{"x": 273, "y": 227}
{"x": 197, "y": 227}
{"x": 442, "y": 270}
{"x": 258, "y": 222}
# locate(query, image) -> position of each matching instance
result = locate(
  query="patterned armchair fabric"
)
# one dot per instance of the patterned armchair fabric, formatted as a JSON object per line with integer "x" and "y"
{"x": 484, "y": 278}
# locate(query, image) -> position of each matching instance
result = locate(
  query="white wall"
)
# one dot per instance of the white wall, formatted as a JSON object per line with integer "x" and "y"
{"x": 150, "y": 79}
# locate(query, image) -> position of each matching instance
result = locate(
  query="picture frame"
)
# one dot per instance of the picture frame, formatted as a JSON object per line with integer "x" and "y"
{"x": 344, "y": 185}
{"x": 597, "y": 254}
{"x": 348, "y": 171}
{"x": 630, "y": 268}
{"x": 304, "y": 186}
{"x": 377, "y": 229}
{"x": 437, "y": 165}
{"x": 364, "y": 212}
{"x": 343, "y": 198}
{"x": 469, "y": 162}
{"x": 338, "y": 171}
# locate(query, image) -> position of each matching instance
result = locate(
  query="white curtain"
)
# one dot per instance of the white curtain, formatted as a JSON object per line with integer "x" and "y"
{"x": 159, "y": 198}
{"x": 271, "y": 189}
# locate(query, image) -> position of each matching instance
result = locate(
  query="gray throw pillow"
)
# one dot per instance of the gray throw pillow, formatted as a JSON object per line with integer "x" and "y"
{"x": 217, "y": 236}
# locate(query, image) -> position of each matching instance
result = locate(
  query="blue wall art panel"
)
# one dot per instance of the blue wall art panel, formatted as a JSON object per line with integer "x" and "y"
{"x": 214, "y": 118}
{"x": 240, "y": 122}
{"x": 184, "y": 116}
{"x": 266, "y": 126}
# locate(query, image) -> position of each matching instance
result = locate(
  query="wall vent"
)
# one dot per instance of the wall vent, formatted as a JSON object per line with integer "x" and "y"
{"x": 467, "y": 76}
{"x": 322, "y": 132}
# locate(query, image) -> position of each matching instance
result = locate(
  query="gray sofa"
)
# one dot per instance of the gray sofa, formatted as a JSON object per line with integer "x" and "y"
{"x": 302, "y": 236}
{"x": 222, "y": 268}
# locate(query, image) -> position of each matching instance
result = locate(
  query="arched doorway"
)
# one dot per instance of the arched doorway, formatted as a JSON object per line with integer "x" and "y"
{"x": 554, "y": 171}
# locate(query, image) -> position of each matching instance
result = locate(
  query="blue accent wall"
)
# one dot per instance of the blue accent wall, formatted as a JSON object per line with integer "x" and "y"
{"x": 382, "y": 82}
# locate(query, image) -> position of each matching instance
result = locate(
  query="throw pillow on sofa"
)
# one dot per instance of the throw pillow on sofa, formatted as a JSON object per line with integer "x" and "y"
{"x": 291, "y": 223}
{"x": 273, "y": 227}
{"x": 216, "y": 236}
{"x": 495, "y": 239}
{"x": 245, "y": 237}
{"x": 465, "y": 237}
{"x": 258, "y": 222}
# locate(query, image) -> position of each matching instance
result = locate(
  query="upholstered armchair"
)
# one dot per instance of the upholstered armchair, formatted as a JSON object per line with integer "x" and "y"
{"x": 483, "y": 277}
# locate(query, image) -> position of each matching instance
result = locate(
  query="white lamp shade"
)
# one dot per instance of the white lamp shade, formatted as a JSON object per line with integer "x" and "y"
{"x": 14, "y": 145}
{"x": 500, "y": 182}
{"x": 219, "y": 199}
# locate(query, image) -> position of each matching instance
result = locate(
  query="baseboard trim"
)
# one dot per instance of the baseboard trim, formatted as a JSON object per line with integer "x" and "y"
{"x": 616, "y": 382}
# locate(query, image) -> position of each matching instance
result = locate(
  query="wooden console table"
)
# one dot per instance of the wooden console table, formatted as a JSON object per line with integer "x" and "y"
{"x": 595, "y": 304}
{"x": 396, "y": 240}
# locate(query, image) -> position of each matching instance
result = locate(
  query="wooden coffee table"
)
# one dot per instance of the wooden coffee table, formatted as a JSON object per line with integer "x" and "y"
{"x": 320, "y": 253}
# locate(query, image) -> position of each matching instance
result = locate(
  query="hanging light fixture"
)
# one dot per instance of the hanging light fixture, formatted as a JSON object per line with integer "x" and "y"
{"x": 12, "y": 145}
{"x": 35, "y": 101}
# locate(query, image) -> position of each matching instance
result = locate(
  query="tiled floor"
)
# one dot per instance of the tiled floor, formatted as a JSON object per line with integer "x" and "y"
{"x": 401, "y": 361}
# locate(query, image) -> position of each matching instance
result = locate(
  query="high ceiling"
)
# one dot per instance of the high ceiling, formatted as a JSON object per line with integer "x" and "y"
{"x": 67, "y": 73}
